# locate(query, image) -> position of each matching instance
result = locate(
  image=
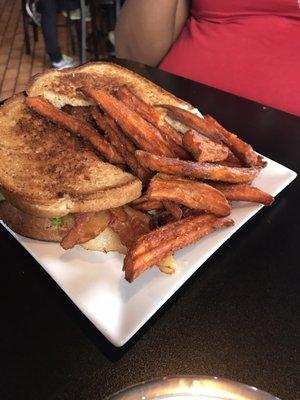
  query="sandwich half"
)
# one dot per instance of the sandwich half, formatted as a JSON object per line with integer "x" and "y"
{"x": 48, "y": 172}
{"x": 63, "y": 87}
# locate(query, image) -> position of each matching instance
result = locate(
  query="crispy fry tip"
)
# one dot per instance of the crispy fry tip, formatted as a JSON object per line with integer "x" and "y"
{"x": 151, "y": 248}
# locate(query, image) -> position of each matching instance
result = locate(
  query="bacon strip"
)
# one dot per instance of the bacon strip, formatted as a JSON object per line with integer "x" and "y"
{"x": 204, "y": 149}
{"x": 149, "y": 249}
{"x": 191, "y": 169}
{"x": 145, "y": 135}
{"x": 152, "y": 115}
{"x": 190, "y": 193}
{"x": 75, "y": 125}
{"x": 129, "y": 224}
{"x": 86, "y": 227}
{"x": 244, "y": 193}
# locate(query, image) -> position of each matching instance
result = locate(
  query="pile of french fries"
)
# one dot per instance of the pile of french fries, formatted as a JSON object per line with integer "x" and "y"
{"x": 190, "y": 167}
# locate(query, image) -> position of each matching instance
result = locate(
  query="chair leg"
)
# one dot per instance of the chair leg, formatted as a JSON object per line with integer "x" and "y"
{"x": 102, "y": 33}
{"x": 94, "y": 29}
{"x": 71, "y": 43}
{"x": 78, "y": 34}
{"x": 25, "y": 28}
{"x": 83, "y": 57}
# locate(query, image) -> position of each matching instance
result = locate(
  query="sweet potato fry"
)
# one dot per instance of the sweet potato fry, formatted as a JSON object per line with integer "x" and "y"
{"x": 242, "y": 192}
{"x": 173, "y": 209}
{"x": 102, "y": 124}
{"x": 108, "y": 125}
{"x": 232, "y": 161}
{"x": 152, "y": 115}
{"x": 261, "y": 162}
{"x": 145, "y": 135}
{"x": 214, "y": 131}
{"x": 193, "y": 121}
{"x": 204, "y": 149}
{"x": 149, "y": 249}
{"x": 122, "y": 144}
{"x": 241, "y": 149}
{"x": 191, "y": 169}
{"x": 188, "y": 212}
{"x": 164, "y": 217}
{"x": 86, "y": 227}
{"x": 80, "y": 112}
{"x": 190, "y": 193}
{"x": 75, "y": 125}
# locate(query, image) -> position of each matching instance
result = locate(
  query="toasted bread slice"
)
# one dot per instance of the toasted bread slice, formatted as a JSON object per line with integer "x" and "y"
{"x": 54, "y": 230}
{"x": 35, "y": 227}
{"x": 61, "y": 87}
{"x": 47, "y": 172}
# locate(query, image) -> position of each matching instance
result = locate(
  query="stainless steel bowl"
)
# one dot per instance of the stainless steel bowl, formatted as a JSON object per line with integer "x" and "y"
{"x": 192, "y": 388}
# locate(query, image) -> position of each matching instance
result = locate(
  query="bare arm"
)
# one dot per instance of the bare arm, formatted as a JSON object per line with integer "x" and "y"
{"x": 146, "y": 29}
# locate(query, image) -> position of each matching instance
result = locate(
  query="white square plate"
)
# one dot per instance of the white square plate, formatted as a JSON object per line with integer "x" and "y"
{"x": 95, "y": 281}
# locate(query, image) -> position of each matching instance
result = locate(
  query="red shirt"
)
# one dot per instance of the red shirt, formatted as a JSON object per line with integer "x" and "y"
{"x": 250, "y": 48}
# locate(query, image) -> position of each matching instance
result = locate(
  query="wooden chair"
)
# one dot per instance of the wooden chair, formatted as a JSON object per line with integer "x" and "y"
{"x": 27, "y": 23}
{"x": 104, "y": 15}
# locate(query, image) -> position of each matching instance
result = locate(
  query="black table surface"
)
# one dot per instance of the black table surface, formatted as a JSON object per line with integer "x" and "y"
{"x": 237, "y": 317}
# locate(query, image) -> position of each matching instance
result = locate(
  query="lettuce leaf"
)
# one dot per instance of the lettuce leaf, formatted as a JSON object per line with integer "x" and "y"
{"x": 56, "y": 221}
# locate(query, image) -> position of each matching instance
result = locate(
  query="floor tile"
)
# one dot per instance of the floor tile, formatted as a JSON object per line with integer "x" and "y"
{"x": 16, "y": 67}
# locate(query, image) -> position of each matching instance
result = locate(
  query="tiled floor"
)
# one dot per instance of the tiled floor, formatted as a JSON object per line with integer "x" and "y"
{"x": 16, "y": 67}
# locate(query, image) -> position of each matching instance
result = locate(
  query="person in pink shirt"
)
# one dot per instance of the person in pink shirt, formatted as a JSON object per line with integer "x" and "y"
{"x": 249, "y": 48}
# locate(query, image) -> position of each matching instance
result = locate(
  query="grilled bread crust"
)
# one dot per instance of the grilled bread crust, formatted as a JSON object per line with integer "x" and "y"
{"x": 54, "y": 231}
{"x": 34, "y": 227}
{"x": 63, "y": 87}
{"x": 47, "y": 172}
